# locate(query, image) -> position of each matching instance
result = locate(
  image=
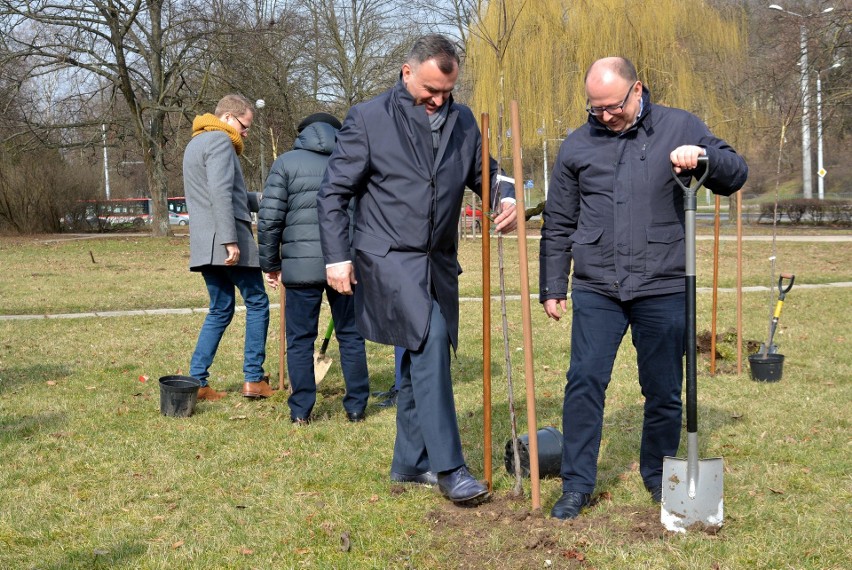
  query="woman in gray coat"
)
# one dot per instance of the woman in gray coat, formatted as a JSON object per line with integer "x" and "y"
{"x": 221, "y": 244}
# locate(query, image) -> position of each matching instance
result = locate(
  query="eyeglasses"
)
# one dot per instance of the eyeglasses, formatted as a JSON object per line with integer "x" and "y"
{"x": 611, "y": 109}
{"x": 237, "y": 119}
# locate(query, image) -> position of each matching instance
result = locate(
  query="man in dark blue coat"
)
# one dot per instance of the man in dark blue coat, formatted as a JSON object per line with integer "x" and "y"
{"x": 407, "y": 156}
{"x": 615, "y": 210}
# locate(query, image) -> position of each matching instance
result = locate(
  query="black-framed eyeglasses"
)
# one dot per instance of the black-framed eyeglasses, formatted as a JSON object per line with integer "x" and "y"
{"x": 236, "y": 118}
{"x": 611, "y": 109}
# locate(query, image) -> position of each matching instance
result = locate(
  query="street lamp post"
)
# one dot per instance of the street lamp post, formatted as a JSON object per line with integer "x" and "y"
{"x": 106, "y": 161}
{"x": 820, "y": 169}
{"x": 260, "y": 104}
{"x": 807, "y": 174}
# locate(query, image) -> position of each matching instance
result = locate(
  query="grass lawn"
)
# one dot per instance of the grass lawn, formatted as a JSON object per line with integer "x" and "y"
{"x": 94, "y": 477}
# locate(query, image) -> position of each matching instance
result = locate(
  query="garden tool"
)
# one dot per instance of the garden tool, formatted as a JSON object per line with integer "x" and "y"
{"x": 770, "y": 347}
{"x": 322, "y": 362}
{"x": 692, "y": 488}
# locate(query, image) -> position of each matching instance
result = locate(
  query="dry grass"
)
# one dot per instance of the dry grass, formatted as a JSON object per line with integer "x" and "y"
{"x": 94, "y": 477}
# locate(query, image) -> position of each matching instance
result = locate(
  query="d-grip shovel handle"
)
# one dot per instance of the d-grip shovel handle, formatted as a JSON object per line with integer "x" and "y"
{"x": 690, "y": 192}
{"x": 784, "y": 290}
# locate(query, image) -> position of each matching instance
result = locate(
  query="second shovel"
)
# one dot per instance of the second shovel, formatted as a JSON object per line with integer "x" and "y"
{"x": 322, "y": 361}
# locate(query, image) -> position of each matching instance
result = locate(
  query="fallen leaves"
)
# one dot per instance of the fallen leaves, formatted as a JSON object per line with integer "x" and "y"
{"x": 178, "y": 544}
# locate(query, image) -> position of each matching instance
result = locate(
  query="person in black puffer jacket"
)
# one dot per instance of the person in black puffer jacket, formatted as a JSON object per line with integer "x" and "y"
{"x": 290, "y": 252}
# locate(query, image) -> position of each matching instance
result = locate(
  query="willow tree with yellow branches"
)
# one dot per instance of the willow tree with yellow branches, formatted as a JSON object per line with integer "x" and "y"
{"x": 689, "y": 54}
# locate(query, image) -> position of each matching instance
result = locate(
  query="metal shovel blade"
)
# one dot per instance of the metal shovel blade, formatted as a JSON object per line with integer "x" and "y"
{"x": 692, "y": 493}
{"x": 322, "y": 362}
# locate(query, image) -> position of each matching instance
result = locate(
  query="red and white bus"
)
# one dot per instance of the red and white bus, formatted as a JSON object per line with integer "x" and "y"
{"x": 125, "y": 212}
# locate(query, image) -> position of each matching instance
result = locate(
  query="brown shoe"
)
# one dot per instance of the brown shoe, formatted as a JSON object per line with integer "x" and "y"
{"x": 260, "y": 389}
{"x": 209, "y": 394}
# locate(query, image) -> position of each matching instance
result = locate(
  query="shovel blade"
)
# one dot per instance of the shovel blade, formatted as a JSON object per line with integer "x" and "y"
{"x": 322, "y": 362}
{"x": 685, "y": 505}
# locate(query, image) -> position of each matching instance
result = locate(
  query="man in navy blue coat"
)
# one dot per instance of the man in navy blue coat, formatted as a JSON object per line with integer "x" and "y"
{"x": 406, "y": 156}
{"x": 616, "y": 214}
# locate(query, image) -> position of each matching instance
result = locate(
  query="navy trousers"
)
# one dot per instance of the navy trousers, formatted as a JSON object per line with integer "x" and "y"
{"x": 302, "y": 318}
{"x": 657, "y": 326}
{"x": 427, "y": 430}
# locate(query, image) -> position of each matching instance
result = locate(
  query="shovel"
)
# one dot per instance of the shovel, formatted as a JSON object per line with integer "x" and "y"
{"x": 769, "y": 347}
{"x": 322, "y": 362}
{"x": 692, "y": 488}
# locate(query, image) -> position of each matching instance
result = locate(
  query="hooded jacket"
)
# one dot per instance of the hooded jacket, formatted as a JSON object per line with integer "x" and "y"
{"x": 287, "y": 225}
{"x": 615, "y": 210}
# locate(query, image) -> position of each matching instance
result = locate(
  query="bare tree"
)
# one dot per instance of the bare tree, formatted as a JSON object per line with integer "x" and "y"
{"x": 357, "y": 47}
{"x": 112, "y": 50}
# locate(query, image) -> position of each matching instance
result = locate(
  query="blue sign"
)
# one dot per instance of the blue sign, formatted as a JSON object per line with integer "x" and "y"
{"x": 528, "y": 184}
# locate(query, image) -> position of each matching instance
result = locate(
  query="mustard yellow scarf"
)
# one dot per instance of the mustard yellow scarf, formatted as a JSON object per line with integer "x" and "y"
{"x": 209, "y": 122}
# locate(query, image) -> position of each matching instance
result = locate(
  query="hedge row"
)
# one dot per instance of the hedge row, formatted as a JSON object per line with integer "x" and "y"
{"x": 808, "y": 210}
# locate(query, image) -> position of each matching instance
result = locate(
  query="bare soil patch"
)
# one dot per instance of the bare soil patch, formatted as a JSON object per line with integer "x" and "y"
{"x": 505, "y": 533}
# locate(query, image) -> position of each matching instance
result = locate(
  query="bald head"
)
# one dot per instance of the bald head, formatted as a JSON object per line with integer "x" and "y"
{"x": 609, "y": 68}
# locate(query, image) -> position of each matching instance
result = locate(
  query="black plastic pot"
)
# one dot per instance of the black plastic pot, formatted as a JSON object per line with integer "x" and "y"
{"x": 766, "y": 368}
{"x": 549, "y": 453}
{"x": 178, "y": 395}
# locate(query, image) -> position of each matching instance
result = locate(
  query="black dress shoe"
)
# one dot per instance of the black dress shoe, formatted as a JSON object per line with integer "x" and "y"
{"x": 356, "y": 416}
{"x": 427, "y": 478}
{"x": 390, "y": 401}
{"x": 301, "y": 421}
{"x": 461, "y": 487}
{"x": 656, "y": 494}
{"x": 570, "y": 504}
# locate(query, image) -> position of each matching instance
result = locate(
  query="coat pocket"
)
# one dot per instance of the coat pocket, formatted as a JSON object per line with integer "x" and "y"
{"x": 665, "y": 255}
{"x": 586, "y": 253}
{"x": 371, "y": 244}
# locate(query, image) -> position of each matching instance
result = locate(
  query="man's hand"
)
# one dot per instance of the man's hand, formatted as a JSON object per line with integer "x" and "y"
{"x": 341, "y": 277}
{"x": 233, "y": 251}
{"x": 507, "y": 220}
{"x": 555, "y": 308}
{"x": 686, "y": 157}
{"x": 272, "y": 279}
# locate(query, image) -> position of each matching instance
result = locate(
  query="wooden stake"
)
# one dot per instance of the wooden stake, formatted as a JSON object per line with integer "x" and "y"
{"x": 715, "y": 286}
{"x": 282, "y": 341}
{"x": 739, "y": 282}
{"x": 486, "y": 300}
{"x": 525, "y": 305}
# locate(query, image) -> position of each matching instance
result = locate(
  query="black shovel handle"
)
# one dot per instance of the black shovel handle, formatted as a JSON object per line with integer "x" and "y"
{"x": 327, "y": 337}
{"x": 689, "y": 206}
{"x": 782, "y": 291}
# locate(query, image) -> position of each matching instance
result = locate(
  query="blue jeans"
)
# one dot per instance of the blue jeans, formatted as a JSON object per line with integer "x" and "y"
{"x": 221, "y": 283}
{"x": 658, "y": 327}
{"x": 302, "y": 318}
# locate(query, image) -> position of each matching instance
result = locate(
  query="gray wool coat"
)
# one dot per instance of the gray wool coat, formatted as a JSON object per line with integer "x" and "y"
{"x": 217, "y": 201}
